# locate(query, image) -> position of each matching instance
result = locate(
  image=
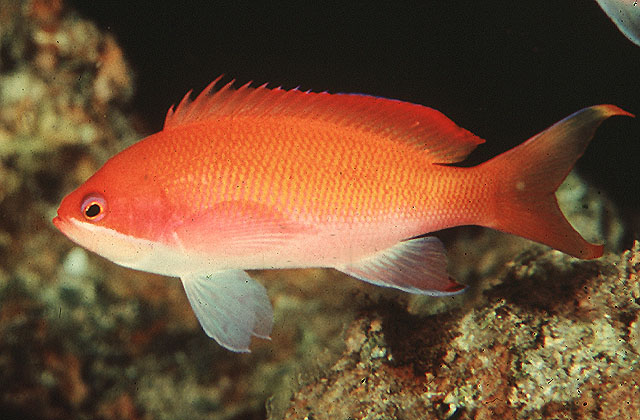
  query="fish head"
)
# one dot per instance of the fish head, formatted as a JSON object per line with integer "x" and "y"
{"x": 115, "y": 214}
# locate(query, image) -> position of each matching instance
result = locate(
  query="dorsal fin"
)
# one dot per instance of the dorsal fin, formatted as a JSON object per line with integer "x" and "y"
{"x": 424, "y": 127}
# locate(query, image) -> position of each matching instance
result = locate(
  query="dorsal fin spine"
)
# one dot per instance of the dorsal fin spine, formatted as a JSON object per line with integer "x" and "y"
{"x": 423, "y": 128}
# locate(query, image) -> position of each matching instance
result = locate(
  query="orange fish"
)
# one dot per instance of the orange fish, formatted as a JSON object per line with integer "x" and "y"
{"x": 259, "y": 178}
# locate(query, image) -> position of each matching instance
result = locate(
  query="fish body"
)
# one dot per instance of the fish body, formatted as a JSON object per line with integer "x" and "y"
{"x": 259, "y": 178}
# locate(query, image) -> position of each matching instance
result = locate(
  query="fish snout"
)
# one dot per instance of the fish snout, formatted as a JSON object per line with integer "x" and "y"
{"x": 60, "y": 223}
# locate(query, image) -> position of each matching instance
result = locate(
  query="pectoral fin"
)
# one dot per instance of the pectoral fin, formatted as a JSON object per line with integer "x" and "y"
{"x": 416, "y": 266}
{"x": 231, "y": 307}
{"x": 237, "y": 227}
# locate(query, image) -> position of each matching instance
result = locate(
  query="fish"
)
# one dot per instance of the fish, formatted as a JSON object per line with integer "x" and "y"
{"x": 626, "y": 16}
{"x": 254, "y": 178}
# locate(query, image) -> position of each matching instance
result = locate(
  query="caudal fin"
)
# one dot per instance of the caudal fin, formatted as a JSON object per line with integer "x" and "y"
{"x": 528, "y": 176}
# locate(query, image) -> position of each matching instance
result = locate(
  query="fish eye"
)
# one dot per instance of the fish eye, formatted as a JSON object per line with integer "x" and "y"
{"x": 93, "y": 207}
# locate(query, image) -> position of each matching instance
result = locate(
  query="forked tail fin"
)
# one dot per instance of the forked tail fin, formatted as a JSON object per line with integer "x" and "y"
{"x": 528, "y": 176}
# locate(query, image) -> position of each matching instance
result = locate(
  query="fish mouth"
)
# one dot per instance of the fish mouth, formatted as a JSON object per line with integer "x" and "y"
{"x": 58, "y": 222}
{"x": 63, "y": 225}
{"x": 69, "y": 228}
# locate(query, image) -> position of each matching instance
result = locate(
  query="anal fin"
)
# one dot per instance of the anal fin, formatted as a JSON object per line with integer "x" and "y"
{"x": 231, "y": 307}
{"x": 416, "y": 266}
